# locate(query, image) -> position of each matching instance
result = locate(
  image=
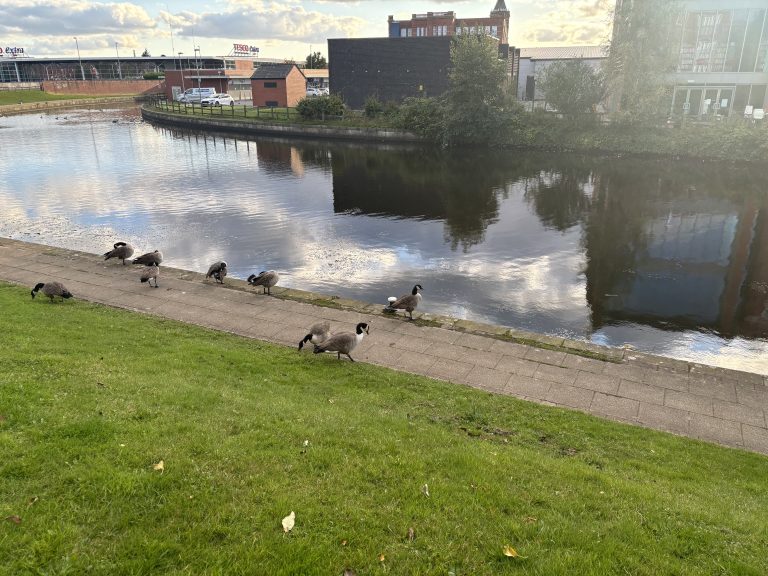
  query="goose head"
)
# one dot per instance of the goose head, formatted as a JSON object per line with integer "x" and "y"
{"x": 362, "y": 327}
{"x": 416, "y": 289}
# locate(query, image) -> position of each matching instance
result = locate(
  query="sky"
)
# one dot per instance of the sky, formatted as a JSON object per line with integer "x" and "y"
{"x": 279, "y": 28}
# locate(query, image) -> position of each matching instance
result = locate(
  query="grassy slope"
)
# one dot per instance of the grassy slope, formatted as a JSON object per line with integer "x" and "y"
{"x": 29, "y": 96}
{"x": 92, "y": 397}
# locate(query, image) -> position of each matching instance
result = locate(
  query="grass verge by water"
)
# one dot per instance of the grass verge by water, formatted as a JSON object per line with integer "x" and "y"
{"x": 30, "y": 96}
{"x": 92, "y": 398}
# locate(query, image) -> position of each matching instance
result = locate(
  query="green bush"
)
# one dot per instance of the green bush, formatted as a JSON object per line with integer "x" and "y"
{"x": 153, "y": 75}
{"x": 320, "y": 107}
{"x": 424, "y": 116}
{"x": 373, "y": 107}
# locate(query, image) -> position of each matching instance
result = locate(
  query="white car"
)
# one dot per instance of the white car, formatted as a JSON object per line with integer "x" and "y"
{"x": 312, "y": 91}
{"x": 218, "y": 100}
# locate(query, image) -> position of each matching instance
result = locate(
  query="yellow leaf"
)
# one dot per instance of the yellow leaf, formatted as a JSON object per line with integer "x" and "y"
{"x": 343, "y": 542}
{"x": 289, "y": 521}
{"x": 381, "y": 557}
{"x": 511, "y": 552}
{"x": 160, "y": 466}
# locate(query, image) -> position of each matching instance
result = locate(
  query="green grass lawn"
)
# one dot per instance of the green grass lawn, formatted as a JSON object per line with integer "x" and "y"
{"x": 30, "y": 96}
{"x": 92, "y": 398}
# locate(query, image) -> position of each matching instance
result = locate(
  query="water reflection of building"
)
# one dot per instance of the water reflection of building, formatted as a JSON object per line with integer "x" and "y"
{"x": 690, "y": 258}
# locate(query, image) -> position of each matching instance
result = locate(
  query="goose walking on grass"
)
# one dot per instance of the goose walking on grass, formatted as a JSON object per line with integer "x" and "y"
{"x": 345, "y": 342}
{"x": 121, "y": 250}
{"x": 218, "y": 270}
{"x": 318, "y": 334}
{"x": 52, "y": 289}
{"x": 150, "y": 258}
{"x": 266, "y": 279}
{"x": 409, "y": 302}
{"x": 152, "y": 271}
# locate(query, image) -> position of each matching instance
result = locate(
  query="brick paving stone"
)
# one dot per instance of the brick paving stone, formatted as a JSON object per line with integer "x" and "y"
{"x": 553, "y": 357}
{"x": 716, "y": 429}
{"x": 625, "y": 372}
{"x": 716, "y": 388}
{"x": 598, "y": 382}
{"x": 570, "y": 396}
{"x": 515, "y": 365}
{"x": 481, "y": 358}
{"x": 415, "y": 362}
{"x": 739, "y": 413}
{"x": 555, "y": 374}
{"x": 663, "y": 379}
{"x": 581, "y": 363}
{"x": 642, "y": 392}
{"x": 510, "y": 348}
{"x": 608, "y": 405}
{"x": 752, "y": 396}
{"x": 664, "y": 418}
{"x": 755, "y": 438}
{"x": 487, "y": 379}
{"x": 528, "y": 388}
{"x": 475, "y": 342}
{"x": 688, "y": 402}
{"x": 451, "y": 370}
{"x": 413, "y": 344}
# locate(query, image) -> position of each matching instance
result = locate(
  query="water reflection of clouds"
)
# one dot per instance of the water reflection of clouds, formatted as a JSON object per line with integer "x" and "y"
{"x": 507, "y": 244}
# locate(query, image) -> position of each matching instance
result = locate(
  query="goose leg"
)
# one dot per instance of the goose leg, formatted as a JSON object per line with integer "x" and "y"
{"x": 350, "y": 357}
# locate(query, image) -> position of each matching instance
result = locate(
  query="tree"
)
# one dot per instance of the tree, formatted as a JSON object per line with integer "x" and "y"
{"x": 572, "y": 86}
{"x": 640, "y": 55}
{"x": 475, "y": 98}
{"x": 146, "y": 54}
{"x": 316, "y": 60}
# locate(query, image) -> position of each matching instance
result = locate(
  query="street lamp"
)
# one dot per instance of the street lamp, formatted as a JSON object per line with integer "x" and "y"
{"x": 197, "y": 65}
{"x": 181, "y": 70}
{"x": 119, "y": 69}
{"x": 78, "y": 57}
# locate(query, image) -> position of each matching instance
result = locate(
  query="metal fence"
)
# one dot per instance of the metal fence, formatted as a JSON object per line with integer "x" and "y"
{"x": 236, "y": 111}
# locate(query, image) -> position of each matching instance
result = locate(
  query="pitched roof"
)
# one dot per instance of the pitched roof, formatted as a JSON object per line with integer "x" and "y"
{"x": 563, "y": 52}
{"x": 500, "y": 6}
{"x": 273, "y": 71}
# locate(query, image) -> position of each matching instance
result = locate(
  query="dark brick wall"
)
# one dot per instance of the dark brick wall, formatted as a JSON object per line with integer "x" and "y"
{"x": 389, "y": 68}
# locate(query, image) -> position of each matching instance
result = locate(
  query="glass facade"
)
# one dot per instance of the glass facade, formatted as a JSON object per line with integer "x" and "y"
{"x": 734, "y": 40}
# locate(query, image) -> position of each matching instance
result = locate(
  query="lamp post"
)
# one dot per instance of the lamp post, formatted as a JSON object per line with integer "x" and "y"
{"x": 119, "y": 69}
{"x": 78, "y": 58}
{"x": 181, "y": 70}
{"x": 197, "y": 65}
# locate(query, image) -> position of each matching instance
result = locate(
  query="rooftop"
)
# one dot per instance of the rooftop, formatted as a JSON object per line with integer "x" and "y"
{"x": 563, "y": 52}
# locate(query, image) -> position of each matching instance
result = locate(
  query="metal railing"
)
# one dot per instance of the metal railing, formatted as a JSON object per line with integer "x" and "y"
{"x": 234, "y": 111}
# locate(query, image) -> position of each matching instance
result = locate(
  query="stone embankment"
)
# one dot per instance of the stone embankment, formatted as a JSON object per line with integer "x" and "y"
{"x": 718, "y": 405}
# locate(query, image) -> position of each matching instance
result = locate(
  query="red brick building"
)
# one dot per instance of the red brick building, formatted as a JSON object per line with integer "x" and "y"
{"x": 278, "y": 85}
{"x": 447, "y": 24}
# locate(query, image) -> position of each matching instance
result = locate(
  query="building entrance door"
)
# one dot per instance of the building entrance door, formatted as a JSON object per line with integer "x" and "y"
{"x": 703, "y": 100}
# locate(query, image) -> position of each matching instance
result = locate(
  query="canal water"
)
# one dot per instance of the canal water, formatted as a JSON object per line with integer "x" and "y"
{"x": 667, "y": 257}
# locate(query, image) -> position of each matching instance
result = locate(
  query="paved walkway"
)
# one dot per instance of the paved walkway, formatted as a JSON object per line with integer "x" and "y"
{"x": 718, "y": 405}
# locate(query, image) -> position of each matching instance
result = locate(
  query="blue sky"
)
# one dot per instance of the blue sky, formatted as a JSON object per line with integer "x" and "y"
{"x": 281, "y": 29}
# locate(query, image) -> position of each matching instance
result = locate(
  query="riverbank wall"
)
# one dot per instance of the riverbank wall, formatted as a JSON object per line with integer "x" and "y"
{"x": 26, "y": 107}
{"x": 246, "y": 127}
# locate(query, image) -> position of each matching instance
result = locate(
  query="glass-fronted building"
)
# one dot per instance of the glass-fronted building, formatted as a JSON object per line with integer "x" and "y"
{"x": 722, "y": 63}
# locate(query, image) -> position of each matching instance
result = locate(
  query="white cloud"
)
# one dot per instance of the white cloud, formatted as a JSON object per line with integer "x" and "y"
{"x": 72, "y": 18}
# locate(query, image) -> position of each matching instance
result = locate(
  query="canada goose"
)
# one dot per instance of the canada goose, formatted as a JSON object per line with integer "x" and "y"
{"x": 344, "y": 343}
{"x": 265, "y": 279}
{"x": 122, "y": 250}
{"x": 52, "y": 289}
{"x": 318, "y": 334}
{"x": 218, "y": 270}
{"x": 152, "y": 271}
{"x": 150, "y": 258}
{"x": 409, "y": 302}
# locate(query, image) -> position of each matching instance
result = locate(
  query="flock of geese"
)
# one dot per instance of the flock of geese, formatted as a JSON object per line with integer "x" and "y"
{"x": 319, "y": 334}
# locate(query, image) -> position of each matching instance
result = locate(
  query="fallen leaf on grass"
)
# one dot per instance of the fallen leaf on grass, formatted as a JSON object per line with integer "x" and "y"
{"x": 349, "y": 572}
{"x": 425, "y": 490}
{"x": 159, "y": 466}
{"x": 289, "y": 521}
{"x": 15, "y": 519}
{"x": 32, "y": 500}
{"x": 381, "y": 557}
{"x": 530, "y": 519}
{"x": 511, "y": 552}
{"x": 411, "y": 534}
{"x": 343, "y": 542}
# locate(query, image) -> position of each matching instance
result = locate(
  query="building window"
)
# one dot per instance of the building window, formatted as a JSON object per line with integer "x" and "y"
{"x": 270, "y": 84}
{"x": 403, "y": 32}
{"x": 495, "y": 31}
{"x": 271, "y": 103}
{"x": 229, "y": 64}
{"x": 421, "y": 31}
{"x": 458, "y": 30}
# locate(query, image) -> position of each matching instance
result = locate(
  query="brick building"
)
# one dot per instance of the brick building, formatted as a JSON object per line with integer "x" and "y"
{"x": 278, "y": 85}
{"x": 447, "y": 24}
